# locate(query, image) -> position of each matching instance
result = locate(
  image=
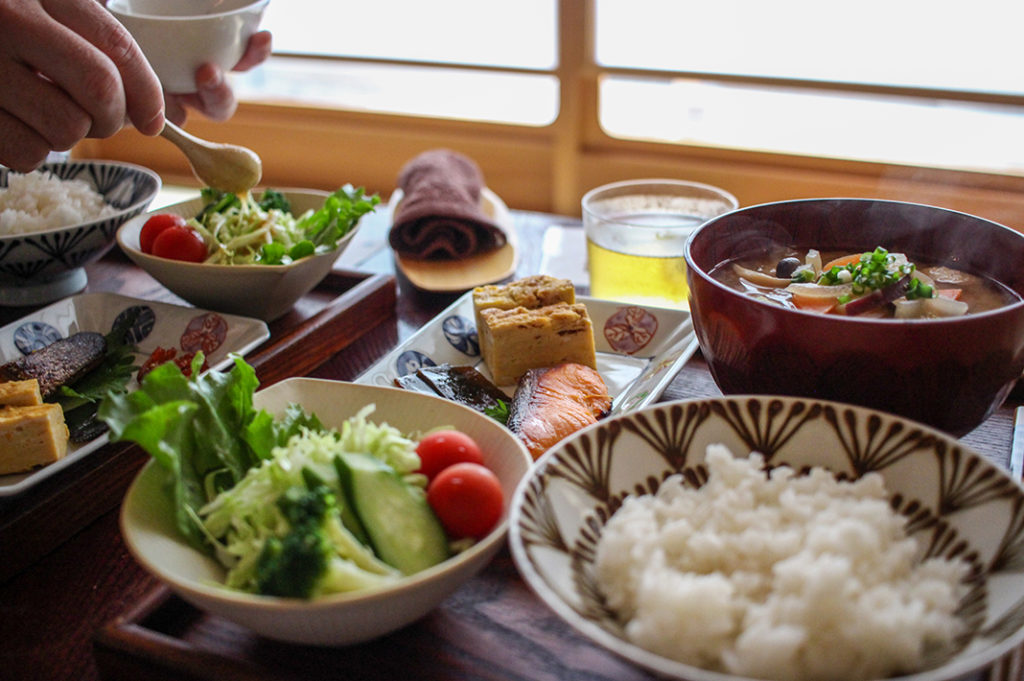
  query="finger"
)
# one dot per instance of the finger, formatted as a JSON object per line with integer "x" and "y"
{"x": 74, "y": 65}
{"x": 257, "y": 51}
{"x": 42, "y": 106}
{"x": 214, "y": 96}
{"x": 21, "y": 147}
{"x": 175, "y": 108}
{"x": 127, "y": 75}
{"x": 64, "y": 58}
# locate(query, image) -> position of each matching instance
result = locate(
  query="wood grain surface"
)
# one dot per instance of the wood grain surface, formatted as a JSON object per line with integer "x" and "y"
{"x": 85, "y": 610}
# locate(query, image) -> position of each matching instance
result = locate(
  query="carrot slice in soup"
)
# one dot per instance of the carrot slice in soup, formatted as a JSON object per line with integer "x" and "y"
{"x": 842, "y": 261}
{"x": 951, "y": 293}
{"x": 814, "y": 303}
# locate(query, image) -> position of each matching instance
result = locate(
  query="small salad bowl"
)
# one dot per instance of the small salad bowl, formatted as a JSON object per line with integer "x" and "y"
{"x": 149, "y": 530}
{"x": 265, "y": 292}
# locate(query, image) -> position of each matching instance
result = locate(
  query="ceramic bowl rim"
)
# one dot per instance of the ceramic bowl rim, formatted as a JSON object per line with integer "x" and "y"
{"x": 697, "y": 271}
{"x": 219, "y": 592}
{"x": 636, "y": 655}
{"x": 221, "y": 268}
{"x": 249, "y": 7}
{"x": 142, "y": 170}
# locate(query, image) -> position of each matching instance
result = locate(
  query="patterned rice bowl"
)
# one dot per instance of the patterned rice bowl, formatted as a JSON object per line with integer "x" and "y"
{"x": 957, "y": 504}
{"x": 48, "y": 265}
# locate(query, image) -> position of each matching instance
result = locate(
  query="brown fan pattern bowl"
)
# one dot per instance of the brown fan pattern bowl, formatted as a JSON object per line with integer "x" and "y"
{"x": 956, "y": 502}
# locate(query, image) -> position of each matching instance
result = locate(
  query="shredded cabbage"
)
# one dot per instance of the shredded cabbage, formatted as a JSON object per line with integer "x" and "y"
{"x": 239, "y": 520}
{"x": 239, "y": 230}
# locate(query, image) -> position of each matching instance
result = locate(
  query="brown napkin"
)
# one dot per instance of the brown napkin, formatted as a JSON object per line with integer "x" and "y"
{"x": 439, "y": 216}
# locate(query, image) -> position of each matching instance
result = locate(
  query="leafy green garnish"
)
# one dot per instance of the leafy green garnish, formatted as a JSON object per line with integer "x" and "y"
{"x": 216, "y": 201}
{"x": 203, "y": 430}
{"x": 499, "y": 412}
{"x": 873, "y": 271}
{"x": 339, "y": 214}
{"x": 919, "y": 289}
{"x": 264, "y": 231}
{"x": 81, "y": 400}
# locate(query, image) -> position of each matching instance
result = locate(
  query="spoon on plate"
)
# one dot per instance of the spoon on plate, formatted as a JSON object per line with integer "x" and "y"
{"x": 227, "y": 167}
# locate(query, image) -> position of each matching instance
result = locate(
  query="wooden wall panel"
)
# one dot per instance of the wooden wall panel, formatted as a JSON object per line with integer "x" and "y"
{"x": 323, "y": 148}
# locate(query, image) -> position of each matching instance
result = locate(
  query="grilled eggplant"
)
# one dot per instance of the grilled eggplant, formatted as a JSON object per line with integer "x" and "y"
{"x": 60, "y": 363}
{"x": 462, "y": 384}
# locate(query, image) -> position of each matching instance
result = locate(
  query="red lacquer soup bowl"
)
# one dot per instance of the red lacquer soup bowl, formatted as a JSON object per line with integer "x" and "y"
{"x": 951, "y": 373}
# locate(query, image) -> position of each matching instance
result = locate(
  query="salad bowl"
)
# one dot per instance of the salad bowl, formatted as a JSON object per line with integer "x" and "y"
{"x": 265, "y": 292}
{"x": 148, "y": 525}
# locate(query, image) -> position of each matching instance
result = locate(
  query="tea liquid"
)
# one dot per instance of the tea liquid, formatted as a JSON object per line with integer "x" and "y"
{"x": 642, "y": 263}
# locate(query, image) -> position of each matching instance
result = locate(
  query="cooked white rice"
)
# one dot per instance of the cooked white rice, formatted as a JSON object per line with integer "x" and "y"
{"x": 36, "y": 201}
{"x": 792, "y": 577}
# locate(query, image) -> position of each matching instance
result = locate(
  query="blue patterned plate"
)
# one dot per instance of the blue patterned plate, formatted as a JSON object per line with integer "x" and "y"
{"x": 158, "y": 325}
{"x": 639, "y": 349}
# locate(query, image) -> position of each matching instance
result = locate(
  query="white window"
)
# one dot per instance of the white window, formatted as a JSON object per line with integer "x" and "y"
{"x": 918, "y": 82}
{"x": 407, "y": 57}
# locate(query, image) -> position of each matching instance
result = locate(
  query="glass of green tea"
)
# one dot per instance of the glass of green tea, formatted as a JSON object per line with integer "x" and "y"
{"x": 636, "y": 231}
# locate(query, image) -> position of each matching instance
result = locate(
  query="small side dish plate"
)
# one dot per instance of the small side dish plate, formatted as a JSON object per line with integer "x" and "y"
{"x": 639, "y": 349}
{"x": 453, "y": 276}
{"x": 158, "y": 325}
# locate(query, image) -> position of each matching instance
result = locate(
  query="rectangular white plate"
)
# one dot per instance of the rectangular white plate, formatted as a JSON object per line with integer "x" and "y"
{"x": 639, "y": 349}
{"x": 161, "y": 325}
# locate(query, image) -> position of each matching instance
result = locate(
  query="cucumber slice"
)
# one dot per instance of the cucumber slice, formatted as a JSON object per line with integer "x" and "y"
{"x": 348, "y": 516}
{"x": 402, "y": 528}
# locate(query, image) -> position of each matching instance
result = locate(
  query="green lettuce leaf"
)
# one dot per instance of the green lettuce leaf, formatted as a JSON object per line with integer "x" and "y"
{"x": 203, "y": 431}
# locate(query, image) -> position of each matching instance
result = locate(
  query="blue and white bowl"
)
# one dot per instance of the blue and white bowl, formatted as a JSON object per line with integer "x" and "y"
{"x": 48, "y": 265}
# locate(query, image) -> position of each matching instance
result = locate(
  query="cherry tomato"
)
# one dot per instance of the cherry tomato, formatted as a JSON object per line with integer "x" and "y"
{"x": 179, "y": 242}
{"x": 442, "y": 448}
{"x": 467, "y": 499}
{"x": 154, "y": 226}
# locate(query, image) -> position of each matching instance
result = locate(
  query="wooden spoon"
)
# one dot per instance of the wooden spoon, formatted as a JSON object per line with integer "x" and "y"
{"x": 227, "y": 167}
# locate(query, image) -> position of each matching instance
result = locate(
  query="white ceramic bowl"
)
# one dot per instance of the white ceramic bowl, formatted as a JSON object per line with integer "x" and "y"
{"x": 45, "y": 266}
{"x": 179, "y": 36}
{"x": 148, "y": 526}
{"x": 262, "y": 291}
{"x": 960, "y": 503}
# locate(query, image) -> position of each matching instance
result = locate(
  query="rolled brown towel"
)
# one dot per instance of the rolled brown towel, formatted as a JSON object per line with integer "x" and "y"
{"x": 439, "y": 216}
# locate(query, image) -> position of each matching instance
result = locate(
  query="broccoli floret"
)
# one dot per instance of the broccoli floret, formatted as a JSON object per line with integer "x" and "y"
{"x": 271, "y": 198}
{"x": 317, "y": 555}
{"x": 292, "y": 565}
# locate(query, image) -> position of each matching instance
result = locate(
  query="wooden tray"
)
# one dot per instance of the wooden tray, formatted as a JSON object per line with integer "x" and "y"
{"x": 336, "y": 313}
{"x": 491, "y": 628}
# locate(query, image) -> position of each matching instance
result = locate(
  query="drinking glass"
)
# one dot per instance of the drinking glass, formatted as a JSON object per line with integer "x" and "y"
{"x": 636, "y": 231}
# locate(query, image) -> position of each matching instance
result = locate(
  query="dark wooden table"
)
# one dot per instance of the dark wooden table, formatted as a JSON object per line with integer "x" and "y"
{"x": 53, "y": 608}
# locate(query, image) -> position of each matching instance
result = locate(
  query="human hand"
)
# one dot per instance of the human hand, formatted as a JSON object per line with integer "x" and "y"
{"x": 214, "y": 97}
{"x": 68, "y": 70}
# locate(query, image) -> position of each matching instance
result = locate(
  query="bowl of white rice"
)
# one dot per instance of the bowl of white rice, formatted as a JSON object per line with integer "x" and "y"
{"x": 56, "y": 220}
{"x": 778, "y": 538}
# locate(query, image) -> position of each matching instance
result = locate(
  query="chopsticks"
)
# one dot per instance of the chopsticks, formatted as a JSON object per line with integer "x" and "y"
{"x": 1017, "y": 448}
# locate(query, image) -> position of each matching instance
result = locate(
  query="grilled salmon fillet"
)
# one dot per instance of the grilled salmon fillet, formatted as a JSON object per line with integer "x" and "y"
{"x": 552, "y": 403}
{"x": 59, "y": 363}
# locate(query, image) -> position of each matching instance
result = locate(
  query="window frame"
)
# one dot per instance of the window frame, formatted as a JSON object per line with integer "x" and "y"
{"x": 548, "y": 168}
